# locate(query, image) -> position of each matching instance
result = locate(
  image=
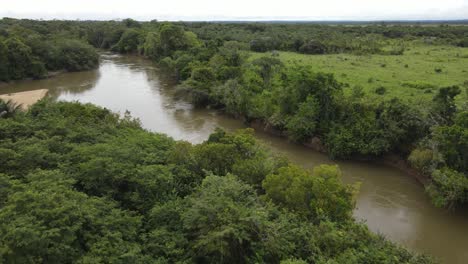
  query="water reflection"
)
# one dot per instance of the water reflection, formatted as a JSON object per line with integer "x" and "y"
{"x": 389, "y": 201}
{"x": 74, "y": 83}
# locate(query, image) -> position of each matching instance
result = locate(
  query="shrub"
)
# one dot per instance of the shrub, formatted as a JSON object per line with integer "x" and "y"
{"x": 422, "y": 159}
{"x": 8, "y": 108}
{"x": 380, "y": 90}
{"x": 448, "y": 188}
{"x": 463, "y": 42}
{"x": 313, "y": 47}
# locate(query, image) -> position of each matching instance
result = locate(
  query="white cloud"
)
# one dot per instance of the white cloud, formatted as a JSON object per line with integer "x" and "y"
{"x": 237, "y": 9}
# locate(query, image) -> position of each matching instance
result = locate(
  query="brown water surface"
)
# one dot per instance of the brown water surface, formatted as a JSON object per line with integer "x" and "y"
{"x": 390, "y": 201}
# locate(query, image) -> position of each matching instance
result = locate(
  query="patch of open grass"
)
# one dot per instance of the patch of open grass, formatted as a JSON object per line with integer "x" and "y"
{"x": 417, "y": 74}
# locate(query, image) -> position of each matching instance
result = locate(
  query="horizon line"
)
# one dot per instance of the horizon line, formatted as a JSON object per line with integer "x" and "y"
{"x": 247, "y": 19}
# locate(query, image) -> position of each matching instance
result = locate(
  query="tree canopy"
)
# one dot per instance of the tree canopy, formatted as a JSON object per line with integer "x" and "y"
{"x": 80, "y": 184}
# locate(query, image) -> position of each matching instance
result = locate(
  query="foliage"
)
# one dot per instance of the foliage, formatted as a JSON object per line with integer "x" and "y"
{"x": 8, "y": 108}
{"x": 369, "y": 129}
{"x": 444, "y": 103}
{"x": 448, "y": 188}
{"x": 104, "y": 35}
{"x": 363, "y": 90}
{"x": 452, "y": 143}
{"x": 422, "y": 159}
{"x": 318, "y": 195}
{"x": 313, "y": 47}
{"x": 129, "y": 42}
{"x": 31, "y": 53}
{"x": 4, "y": 62}
{"x": 44, "y": 219}
{"x": 303, "y": 124}
{"x": 173, "y": 38}
{"x": 77, "y": 56}
{"x": 443, "y": 155}
{"x": 226, "y": 219}
{"x": 19, "y": 59}
{"x": 80, "y": 184}
{"x": 151, "y": 45}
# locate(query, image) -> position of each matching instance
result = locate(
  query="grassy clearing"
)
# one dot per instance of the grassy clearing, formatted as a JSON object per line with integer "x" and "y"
{"x": 415, "y": 75}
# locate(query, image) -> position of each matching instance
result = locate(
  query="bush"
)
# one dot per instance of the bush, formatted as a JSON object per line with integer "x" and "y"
{"x": 313, "y": 47}
{"x": 8, "y": 108}
{"x": 448, "y": 188}
{"x": 381, "y": 90}
{"x": 463, "y": 43}
{"x": 422, "y": 159}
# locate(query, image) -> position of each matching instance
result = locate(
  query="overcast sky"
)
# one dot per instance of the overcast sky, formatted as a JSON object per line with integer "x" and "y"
{"x": 236, "y": 9}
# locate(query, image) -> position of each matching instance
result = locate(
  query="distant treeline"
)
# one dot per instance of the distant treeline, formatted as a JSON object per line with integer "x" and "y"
{"x": 349, "y": 22}
{"x": 210, "y": 62}
{"x": 320, "y": 38}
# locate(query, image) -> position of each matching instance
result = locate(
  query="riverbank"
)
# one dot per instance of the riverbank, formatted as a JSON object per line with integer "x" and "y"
{"x": 25, "y": 99}
{"x": 316, "y": 144}
{"x": 49, "y": 75}
{"x": 390, "y": 159}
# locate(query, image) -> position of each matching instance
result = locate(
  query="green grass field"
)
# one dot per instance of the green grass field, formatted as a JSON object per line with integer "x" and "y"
{"x": 415, "y": 75}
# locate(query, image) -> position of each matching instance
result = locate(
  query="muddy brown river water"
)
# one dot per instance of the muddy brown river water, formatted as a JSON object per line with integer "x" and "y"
{"x": 390, "y": 202}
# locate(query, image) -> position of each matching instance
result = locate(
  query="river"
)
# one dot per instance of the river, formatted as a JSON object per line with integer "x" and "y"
{"x": 389, "y": 201}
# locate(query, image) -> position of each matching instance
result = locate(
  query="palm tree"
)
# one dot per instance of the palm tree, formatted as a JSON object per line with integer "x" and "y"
{"x": 8, "y": 108}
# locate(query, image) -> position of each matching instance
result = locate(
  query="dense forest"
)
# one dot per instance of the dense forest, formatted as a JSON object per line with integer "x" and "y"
{"x": 30, "y": 53}
{"x": 128, "y": 195}
{"x": 80, "y": 184}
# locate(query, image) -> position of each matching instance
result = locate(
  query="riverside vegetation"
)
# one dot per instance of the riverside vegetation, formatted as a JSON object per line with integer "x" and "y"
{"x": 31, "y": 53}
{"x": 80, "y": 184}
{"x": 282, "y": 76}
{"x": 364, "y": 112}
